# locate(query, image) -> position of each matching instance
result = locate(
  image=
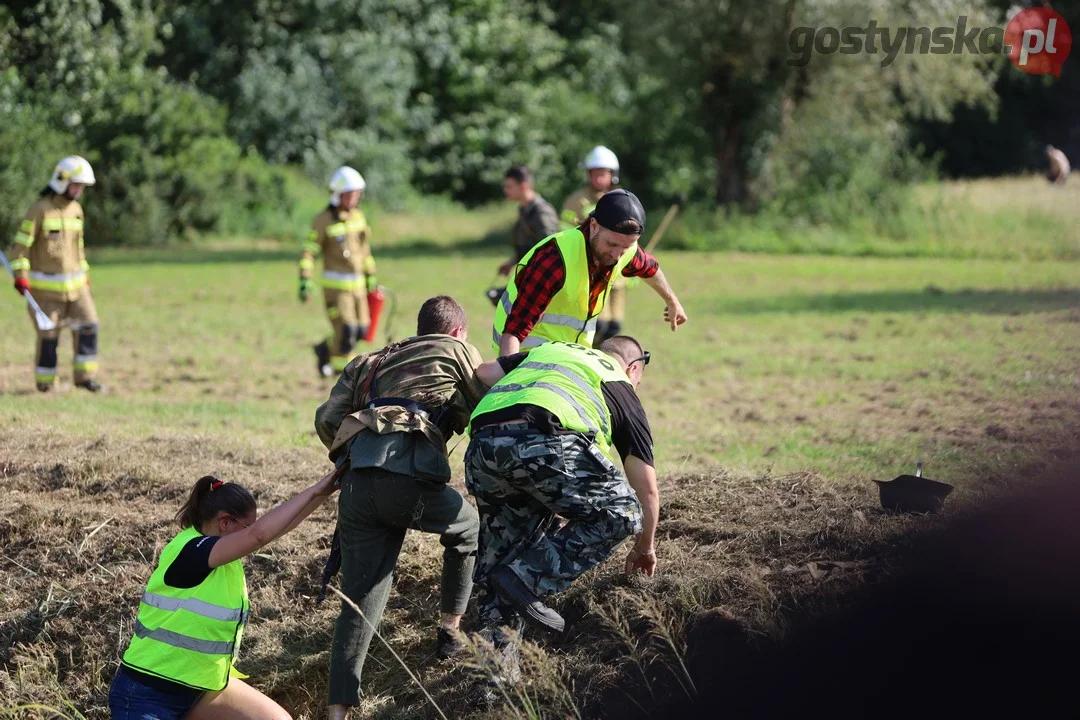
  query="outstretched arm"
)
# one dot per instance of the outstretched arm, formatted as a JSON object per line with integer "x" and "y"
{"x": 673, "y": 309}
{"x": 275, "y": 523}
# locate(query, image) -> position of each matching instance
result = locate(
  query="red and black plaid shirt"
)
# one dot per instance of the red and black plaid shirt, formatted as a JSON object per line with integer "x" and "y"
{"x": 544, "y": 276}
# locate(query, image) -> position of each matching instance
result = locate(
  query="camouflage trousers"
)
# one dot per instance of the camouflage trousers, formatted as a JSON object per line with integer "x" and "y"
{"x": 521, "y": 478}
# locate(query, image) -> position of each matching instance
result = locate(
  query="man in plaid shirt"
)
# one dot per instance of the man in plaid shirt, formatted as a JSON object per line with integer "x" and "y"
{"x": 609, "y": 235}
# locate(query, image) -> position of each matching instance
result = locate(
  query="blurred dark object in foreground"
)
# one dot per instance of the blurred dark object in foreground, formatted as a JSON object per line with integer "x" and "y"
{"x": 982, "y": 622}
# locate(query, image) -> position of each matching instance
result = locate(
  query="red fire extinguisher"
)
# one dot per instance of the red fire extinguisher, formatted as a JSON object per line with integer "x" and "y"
{"x": 375, "y": 299}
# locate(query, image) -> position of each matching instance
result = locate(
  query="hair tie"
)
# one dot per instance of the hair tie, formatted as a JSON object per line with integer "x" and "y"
{"x": 215, "y": 485}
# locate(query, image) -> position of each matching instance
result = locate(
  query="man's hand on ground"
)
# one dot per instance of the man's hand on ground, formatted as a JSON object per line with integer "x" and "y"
{"x": 644, "y": 561}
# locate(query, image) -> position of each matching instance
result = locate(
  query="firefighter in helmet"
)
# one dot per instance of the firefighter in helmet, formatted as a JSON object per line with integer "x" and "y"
{"x": 340, "y": 234}
{"x": 47, "y": 258}
{"x": 602, "y": 166}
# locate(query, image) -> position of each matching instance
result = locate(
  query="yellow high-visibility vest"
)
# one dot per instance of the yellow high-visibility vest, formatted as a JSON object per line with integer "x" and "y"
{"x": 563, "y": 378}
{"x": 190, "y": 635}
{"x": 567, "y": 317}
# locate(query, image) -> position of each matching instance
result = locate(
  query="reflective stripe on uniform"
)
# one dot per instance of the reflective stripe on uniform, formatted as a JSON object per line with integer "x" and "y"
{"x": 51, "y": 224}
{"x": 341, "y": 228}
{"x": 312, "y": 248}
{"x": 341, "y": 281}
{"x": 186, "y": 642}
{"x": 44, "y": 371}
{"x": 20, "y": 264}
{"x": 513, "y": 387}
{"x": 24, "y": 238}
{"x": 307, "y": 264}
{"x": 193, "y": 605}
{"x": 84, "y": 265}
{"x": 57, "y": 283}
{"x": 583, "y": 385}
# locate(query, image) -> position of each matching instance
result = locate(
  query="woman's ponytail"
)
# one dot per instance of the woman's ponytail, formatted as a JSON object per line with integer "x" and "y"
{"x": 209, "y": 497}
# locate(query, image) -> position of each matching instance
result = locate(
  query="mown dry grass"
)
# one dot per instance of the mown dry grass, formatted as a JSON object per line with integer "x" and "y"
{"x": 797, "y": 382}
{"x": 82, "y": 522}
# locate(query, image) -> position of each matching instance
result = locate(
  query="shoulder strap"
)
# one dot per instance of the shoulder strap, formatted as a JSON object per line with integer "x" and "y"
{"x": 370, "y": 390}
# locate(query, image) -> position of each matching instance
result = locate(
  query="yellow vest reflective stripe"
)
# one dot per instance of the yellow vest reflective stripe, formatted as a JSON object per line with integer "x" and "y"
{"x": 566, "y": 318}
{"x": 565, "y": 379}
{"x": 190, "y": 635}
{"x": 57, "y": 283}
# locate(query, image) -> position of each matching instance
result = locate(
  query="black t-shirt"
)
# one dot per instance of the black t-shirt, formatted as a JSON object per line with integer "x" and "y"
{"x": 192, "y": 564}
{"x": 190, "y": 567}
{"x": 630, "y": 432}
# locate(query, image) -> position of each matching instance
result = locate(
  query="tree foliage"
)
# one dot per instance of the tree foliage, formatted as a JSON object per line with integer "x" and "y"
{"x": 191, "y": 110}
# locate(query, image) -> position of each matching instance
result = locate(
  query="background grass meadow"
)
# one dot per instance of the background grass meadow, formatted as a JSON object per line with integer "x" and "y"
{"x": 798, "y": 379}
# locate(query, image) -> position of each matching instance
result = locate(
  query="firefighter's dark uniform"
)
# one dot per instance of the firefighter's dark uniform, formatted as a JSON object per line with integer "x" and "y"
{"x": 48, "y": 250}
{"x": 342, "y": 237}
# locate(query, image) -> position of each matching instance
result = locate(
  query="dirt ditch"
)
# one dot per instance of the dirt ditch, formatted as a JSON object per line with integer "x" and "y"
{"x": 765, "y": 583}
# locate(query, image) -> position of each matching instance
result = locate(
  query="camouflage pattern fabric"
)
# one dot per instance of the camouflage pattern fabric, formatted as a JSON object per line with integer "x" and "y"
{"x": 437, "y": 371}
{"x": 520, "y": 479}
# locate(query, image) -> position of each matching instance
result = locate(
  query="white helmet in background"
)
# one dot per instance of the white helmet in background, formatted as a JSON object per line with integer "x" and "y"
{"x": 344, "y": 180}
{"x": 602, "y": 158}
{"x": 72, "y": 169}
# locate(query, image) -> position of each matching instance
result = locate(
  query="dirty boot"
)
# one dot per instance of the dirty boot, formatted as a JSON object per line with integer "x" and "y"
{"x": 322, "y": 359}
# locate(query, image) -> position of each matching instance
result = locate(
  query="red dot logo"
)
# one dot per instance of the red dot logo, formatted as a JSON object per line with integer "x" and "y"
{"x": 1040, "y": 41}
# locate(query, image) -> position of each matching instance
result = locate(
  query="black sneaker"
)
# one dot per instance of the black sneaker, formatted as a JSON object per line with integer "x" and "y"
{"x": 322, "y": 359}
{"x": 529, "y": 606}
{"x": 91, "y": 385}
{"x": 449, "y": 643}
{"x": 44, "y": 387}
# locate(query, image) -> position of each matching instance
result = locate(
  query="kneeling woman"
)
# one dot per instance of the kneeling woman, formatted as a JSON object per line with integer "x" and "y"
{"x": 192, "y": 615}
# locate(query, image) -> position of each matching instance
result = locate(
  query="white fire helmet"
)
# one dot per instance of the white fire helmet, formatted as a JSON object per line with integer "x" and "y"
{"x": 72, "y": 169}
{"x": 344, "y": 180}
{"x": 602, "y": 158}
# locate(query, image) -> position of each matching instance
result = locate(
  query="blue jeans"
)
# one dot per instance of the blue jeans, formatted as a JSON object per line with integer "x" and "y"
{"x": 129, "y": 699}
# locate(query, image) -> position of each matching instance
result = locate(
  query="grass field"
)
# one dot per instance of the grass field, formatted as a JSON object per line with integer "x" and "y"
{"x": 797, "y": 381}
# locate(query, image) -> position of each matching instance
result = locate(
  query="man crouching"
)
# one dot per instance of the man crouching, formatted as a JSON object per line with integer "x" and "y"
{"x": 543, "y": 444}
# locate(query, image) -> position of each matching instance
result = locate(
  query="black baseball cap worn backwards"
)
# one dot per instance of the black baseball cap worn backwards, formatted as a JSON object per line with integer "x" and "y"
{"x": 617, "y": 207}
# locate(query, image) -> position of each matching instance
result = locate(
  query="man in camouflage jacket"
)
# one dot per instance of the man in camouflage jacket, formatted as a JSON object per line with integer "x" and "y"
{"x": 388, "y": 417}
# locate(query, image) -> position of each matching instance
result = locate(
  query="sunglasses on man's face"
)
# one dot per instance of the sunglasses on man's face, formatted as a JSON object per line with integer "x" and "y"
{"x": 644, "y": 359}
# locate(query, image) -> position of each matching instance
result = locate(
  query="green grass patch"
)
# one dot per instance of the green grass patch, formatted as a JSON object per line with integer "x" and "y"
{"x": 855, "y": 367}
{"x": 1010, "y": 218}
